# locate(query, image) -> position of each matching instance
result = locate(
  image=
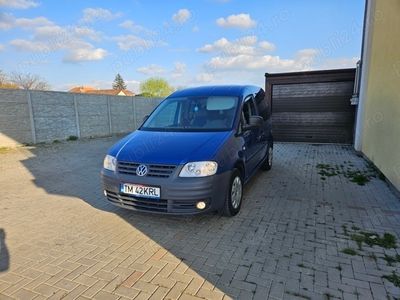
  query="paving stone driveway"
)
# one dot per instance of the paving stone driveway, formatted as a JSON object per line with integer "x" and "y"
{"x": 62, "y": 240}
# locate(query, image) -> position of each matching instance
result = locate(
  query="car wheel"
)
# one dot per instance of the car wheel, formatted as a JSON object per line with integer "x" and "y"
{"x": 267, "y": 164}
{"x": 233, "y": 200}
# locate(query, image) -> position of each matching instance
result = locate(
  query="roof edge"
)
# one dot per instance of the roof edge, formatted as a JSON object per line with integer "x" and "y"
{"x": 316, "y": 72}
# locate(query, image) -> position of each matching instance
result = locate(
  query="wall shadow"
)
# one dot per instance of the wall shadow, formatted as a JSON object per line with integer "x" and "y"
{"x": 4, "y": 254}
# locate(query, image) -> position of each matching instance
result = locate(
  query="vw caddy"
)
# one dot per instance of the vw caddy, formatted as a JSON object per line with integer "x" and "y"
{"x": 193, "y": 153}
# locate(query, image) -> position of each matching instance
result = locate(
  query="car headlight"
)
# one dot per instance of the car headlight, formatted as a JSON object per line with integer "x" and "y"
{"x": 110, "y": 163}
{"x": 199, "y": 169}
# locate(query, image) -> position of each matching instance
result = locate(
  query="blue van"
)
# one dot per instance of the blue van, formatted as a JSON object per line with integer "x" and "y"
{"x": 193, "y": 154}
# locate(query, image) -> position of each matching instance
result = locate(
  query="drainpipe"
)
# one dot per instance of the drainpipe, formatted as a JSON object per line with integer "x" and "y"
{"x": 356, "y": 90}
{"x": 365, "y": 61}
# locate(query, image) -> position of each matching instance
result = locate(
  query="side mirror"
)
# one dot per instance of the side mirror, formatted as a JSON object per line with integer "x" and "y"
{"x": 254, "y": 122}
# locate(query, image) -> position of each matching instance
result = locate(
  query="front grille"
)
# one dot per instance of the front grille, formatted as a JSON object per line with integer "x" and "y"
{"x": 163, "y": 171}
{"x": 146, "y": 204}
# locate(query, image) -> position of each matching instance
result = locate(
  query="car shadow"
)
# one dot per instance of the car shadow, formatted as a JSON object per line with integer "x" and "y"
{"x": 214, "y": 247}
{"x": 4, "y": 254}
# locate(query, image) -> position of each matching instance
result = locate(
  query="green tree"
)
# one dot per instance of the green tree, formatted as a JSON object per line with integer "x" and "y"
{"x": 119, "y": 83}
{"x": 155, "y": 87}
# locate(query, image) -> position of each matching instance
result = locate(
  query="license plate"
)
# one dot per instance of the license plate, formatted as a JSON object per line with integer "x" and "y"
{"x": 141, "y": 190}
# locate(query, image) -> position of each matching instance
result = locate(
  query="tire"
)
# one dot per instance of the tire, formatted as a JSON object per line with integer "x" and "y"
{"x": 267, "y": 164}
{"x": 233, "y": 199}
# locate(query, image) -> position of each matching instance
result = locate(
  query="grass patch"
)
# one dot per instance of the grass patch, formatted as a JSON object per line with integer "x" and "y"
{"x": 349, "y": 251}
{"x": 358, "y": 178}
{"x": 359, "y": 239}
{"x": 393, "y": 278}
{"x": 387, "y": 241}
{"x": 325, "y": 170}
{"x": 392, "y": 259}
{"x": 349, "y": 171}
{"x": 370, "y": 238}
{"x": 72, "y": 138}
{"x": 56, "y": 142}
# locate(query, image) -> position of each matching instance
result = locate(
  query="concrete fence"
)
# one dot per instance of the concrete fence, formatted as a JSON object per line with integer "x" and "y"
{"x": 29, "y": 117}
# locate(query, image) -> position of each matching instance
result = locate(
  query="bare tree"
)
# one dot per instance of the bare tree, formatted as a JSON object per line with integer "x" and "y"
{"x": 29, "y": 81}
{"x": 5, "y": 82}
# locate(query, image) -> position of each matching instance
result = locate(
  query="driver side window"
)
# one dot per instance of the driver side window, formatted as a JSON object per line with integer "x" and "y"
{"x": 249, "y": 109}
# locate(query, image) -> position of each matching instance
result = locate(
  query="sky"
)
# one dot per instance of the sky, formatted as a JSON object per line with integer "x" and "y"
{"x": 188, "y": 42}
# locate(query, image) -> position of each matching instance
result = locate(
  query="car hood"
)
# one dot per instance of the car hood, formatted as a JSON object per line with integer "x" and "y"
{"x": 169, "y": 147}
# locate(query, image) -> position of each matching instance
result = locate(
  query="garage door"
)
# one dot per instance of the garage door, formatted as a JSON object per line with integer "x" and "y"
{"x": 317, "y": 112}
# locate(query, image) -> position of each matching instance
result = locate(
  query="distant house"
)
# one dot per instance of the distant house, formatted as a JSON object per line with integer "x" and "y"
{"x": 91, "y": 90}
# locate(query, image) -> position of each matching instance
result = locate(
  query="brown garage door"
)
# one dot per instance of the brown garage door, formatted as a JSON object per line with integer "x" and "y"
{"x": 312, "y": 106}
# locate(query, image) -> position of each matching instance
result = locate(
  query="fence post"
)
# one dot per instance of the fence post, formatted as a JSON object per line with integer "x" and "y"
{"x": 78, "y": 129}
{"x": 109, "y": 114}
{"x": 32, "y": 120}
{"x": 134, "y": 113}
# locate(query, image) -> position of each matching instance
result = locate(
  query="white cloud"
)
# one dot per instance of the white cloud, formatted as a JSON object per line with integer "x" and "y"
{"x": 88, "y": 53}
{"x": 181, "y": 16}
{"x": 7, "y": 21}
{"x": 195, "y": 29}
{"x": 133, "y": 85}
{"x": 204, "y": 77}
{"x": 87, "y": 32}
{"x": 179, "y": 69}
{"x": 250, "y": 62}
{"x": 51, "y": 31}
{"x": 267, "y": 46}
{"x": 91, "y": 15}
{"x": 251, "y": 69}
{"x": 49, "y": 37}
{"x": 243, "y": 21}
{"x": 247, "y": 53}
{"x": 2, "y": 47}
{"x": 338, "y": 63}
{"x": 34, "y": 22}
{"x": 244, "y": 45}
{"x": 76, "y": 50}
{"x": 135, "y": 28}
{"x": 18, "y": 4}
{"x": 152, "y": 69}
{"x": 130, "y": 41}
{"x": 30, "y": 46}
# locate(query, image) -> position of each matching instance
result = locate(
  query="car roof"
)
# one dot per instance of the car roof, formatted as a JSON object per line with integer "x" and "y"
{"x": 217, "y": 90}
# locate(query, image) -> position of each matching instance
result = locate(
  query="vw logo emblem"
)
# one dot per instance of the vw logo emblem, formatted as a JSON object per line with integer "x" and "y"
{"x": 141, "y": 170}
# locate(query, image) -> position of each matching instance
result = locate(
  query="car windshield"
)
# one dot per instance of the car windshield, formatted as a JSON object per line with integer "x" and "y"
{"x": 212, "y": 113}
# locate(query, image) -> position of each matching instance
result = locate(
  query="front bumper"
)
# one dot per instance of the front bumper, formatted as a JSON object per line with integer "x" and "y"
{"x": 179, "y": 196}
